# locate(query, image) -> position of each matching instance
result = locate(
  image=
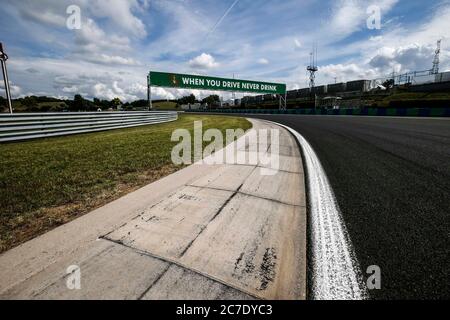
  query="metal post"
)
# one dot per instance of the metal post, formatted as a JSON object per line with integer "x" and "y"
{"x": 149, "y": 92}
{"x": 3, "y": 58}
{"x": 285, "y": 100}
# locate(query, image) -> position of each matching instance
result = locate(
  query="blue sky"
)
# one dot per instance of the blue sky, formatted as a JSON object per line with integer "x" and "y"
{"x": 120, "y": 41}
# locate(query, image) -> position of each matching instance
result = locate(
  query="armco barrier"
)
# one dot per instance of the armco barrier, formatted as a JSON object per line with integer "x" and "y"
{"x": 25, "y": 126}
{"x": 395, "y": 112}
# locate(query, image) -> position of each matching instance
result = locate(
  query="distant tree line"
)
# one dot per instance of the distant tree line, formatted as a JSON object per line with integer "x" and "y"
{"x": 191, "y": 99}
{"x": 79, "y": 103}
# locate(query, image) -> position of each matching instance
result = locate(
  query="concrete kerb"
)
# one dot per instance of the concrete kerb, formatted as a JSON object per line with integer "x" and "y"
{"x": 240, "y": 234}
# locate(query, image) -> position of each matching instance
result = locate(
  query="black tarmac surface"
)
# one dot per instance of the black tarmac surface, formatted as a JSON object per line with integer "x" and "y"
{"x": 391, "y": 178}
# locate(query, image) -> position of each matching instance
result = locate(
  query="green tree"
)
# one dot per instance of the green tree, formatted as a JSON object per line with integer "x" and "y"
{"x": 188, "y": 99}
{"x": 30, "y": 102}
{"x": 140, "y": 104}
{"x": 389, "y": 83}
{"x": 78, "y": 103}
{"x": 116, "y": 103}
{"x": 2, "y": 104}
{"x": 211, "y": 100}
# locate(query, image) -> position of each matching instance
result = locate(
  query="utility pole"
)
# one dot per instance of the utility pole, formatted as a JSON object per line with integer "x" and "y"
{"x": 3, "y": 58}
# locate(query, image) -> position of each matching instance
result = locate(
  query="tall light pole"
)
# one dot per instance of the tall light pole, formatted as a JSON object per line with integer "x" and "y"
{"x": 3, "y": 58}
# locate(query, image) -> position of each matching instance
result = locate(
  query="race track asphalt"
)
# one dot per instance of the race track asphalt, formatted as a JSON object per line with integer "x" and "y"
{"x": 391, "y": 179}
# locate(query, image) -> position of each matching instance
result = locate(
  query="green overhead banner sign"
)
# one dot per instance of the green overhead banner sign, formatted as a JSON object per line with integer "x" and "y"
{"x": 186, "y": 81}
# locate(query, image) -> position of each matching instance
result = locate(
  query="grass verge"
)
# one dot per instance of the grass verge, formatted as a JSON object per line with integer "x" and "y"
{"x": 48, "y": 182}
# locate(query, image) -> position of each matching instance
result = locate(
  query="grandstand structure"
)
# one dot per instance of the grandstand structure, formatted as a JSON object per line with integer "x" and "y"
{"x": 351, "y": 94}
{"x": 354, "y": 94}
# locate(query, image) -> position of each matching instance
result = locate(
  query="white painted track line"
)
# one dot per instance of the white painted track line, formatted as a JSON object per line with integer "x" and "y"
{"x": 336, "y": 272}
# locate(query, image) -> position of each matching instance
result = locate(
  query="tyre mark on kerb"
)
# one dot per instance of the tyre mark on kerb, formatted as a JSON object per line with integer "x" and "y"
{"x": 336, "y": 272}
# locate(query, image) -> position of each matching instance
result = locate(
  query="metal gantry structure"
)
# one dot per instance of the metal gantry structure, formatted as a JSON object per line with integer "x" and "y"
{"x": 312, "y": 69}
{"x": 3, "y": 58}
{"x": 435, "y": 69}
{"x": 410, "y": 77}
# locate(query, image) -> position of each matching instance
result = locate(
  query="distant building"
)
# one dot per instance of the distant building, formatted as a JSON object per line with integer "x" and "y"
{"x": 329, "y": 102}
{"x": 443, "y": 77}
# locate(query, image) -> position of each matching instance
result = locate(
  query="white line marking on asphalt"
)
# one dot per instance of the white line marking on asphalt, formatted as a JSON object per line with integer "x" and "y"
{"x": 336, "y": 272}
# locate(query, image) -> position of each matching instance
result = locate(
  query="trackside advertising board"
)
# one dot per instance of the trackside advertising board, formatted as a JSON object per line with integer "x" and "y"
{"x": 186, "y": 81}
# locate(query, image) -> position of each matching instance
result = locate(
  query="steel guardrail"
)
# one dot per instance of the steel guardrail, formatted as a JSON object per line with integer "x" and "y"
{"x": 26, "y": 126}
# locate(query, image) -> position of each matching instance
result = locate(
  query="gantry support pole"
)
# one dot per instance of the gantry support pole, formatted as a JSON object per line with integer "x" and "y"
{"x": 149, "y": 91}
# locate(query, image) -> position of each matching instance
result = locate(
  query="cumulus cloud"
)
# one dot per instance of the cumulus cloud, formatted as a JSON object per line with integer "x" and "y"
{"x": 346, "y": 72}
{"x": 349, "y": 16}
{"x": 15, "y": 90}
{"x": 263, "y": 61}
{"x": 162, "y": 93}
{"x": 405, "y": 58}
{"x": 203, "y": 61}
{"x": 121, "y": 13}
{"x": 102, "y": 91}
{"x": 71, "y": 89}
{"x": 91, "y": 38}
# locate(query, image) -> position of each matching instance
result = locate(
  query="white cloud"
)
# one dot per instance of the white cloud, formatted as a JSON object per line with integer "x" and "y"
{"x": 346, "y": 72}
{"x": 349, "y": 16}
{"x": 91, "y": 38}
{"x": 46, "y": 17}
{"x": 104, "y": 91}
{"x": 405, "y": 58}
{"x": 162, "y": 93}
{"x": 14, "y": 89}
{"x": 203, "y": 61}
{"x": 106, "y": 59}
{"x": 263, "y": 61}
{"x": 121, "y": 14}
{"x": 71, "y": 89}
